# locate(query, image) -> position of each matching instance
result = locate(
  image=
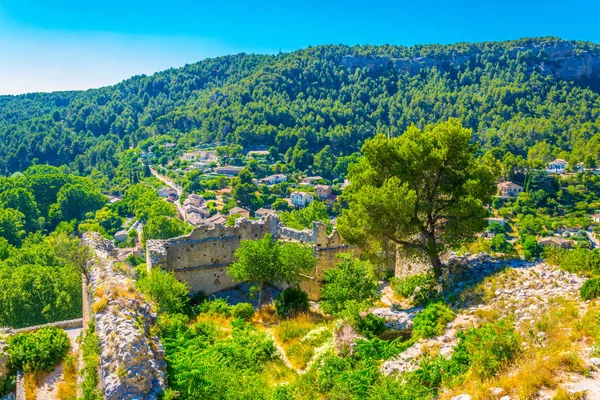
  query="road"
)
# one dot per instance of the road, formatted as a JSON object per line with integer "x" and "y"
{"x": 169, "y": 182}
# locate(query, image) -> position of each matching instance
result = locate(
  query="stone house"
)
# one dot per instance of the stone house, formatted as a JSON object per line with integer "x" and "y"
{"x": 323, "y": 191}
{"x": 596, "y": 218}
{"x": 301, "y": 199}
{"x": 263, "y": 212}
{"x": 556, "y": 242}
{"x": 309, "y": 180}
{"x": 509, "y": 189}
{"x": 228, "y": 170}
{"x": 240, "y": 211}
{"x": 167, "y": 191}
{"x": 194, "y": 199}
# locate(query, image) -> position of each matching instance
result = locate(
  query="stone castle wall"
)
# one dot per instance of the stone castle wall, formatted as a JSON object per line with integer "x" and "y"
{"x": 202, "y": 257}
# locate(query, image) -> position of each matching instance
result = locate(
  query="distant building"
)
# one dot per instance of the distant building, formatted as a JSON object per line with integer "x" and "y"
{"x": 241, "y": 211}
{"x": 191, "y": 156}
{"x": 216, "y": 219}
{"x": 255, "y": 153}
{"x": 194, "y": 199}
{"x": 228, "y": 170}
{"x": 323, "y": 191}
{"x": 509, "y": 189}
{"x": 274, "y": 179}
{"x": 169, "y": 145}
{"x": 121, "y": 235}
{"x": 301, "y": 199}
{"x": 556, "y": 242}
{"x": 557, "y": 166}
{"x": 263, "y": 212}
{"x": 195, "y": 219}
{"x": 345, "y": 184}
{"x": 330, "y": 200}
{"x": 167, "y": 192}
{"x": 499, "y": 221}
{"x": 309, "y": 180}
{"x": 596, "y": 218}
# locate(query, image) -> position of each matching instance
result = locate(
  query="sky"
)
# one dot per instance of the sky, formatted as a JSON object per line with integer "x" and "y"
{"x": 48, "y": 45}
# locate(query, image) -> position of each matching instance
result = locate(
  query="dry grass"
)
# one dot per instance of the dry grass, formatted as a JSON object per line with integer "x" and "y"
{"x": 100, "y": 305}
{"x": 31, "y": 382}
{"x": 266, "y": 316}
{"x": 67, "y": 388}
{"x": 291, "y": 334}
{"x": 554, "y": 347}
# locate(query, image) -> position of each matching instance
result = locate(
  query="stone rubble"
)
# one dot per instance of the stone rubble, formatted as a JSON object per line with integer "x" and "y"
{"x": 132, "y": 364}
{"x": 525, "y": 294}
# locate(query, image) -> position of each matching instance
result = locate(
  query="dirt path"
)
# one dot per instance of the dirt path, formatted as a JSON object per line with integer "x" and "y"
{"x": 48, "y": 388}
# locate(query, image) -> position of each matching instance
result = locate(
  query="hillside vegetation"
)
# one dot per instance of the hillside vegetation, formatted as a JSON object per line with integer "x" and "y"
{"x": 534, "y": 98}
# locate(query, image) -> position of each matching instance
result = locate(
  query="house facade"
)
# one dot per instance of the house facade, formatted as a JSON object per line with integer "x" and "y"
{"x": 301, "y": 199}
{"x": 509, "y": 189}
{"x": 274, "y": 179}
{"x": 323, "y": 191}
{"x": 557, "y": 166}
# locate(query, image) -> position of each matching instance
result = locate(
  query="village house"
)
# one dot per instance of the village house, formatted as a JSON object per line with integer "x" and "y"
{"x": 263, "y": 212}
{"x": 274, "y": 179}
{"x": 330, "y": 200}
{"x": 309, "y": 180}
{"x": 195, "y": 219}
{"x": 257, "y": 153}
{"x": 228, "y": 170}
{"x": 301, "y": 199}
{"x": 596, "y": 218}
{"x": 216, "y": 219}
{"x": 556, "y": 242}
{"x": 509, "y": 189}
{"x": 194, "y": 199}
{"x": 497, "y": 220}
{"x": 240, "y": 211}
{"x": 323, "y": 191}
{"x": 167, "y": 192}
{"x": 557, "y": 166}
{"x": 169, "y": 145}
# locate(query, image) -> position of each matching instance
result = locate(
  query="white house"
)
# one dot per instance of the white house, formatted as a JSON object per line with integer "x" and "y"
{"x": 557, "y": 166}
{"x": 596, "y": 218}
{"x": 301, "y": 199}
{"x": 274, "y": 179}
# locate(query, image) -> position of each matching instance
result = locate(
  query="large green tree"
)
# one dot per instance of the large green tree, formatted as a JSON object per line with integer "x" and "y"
{"x": 423, "y": 191}
{"x": 265, "y": 260}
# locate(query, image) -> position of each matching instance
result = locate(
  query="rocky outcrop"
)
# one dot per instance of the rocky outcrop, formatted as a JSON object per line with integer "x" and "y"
{"x": 132, "y": 364}
{"x": 560, "y": 58}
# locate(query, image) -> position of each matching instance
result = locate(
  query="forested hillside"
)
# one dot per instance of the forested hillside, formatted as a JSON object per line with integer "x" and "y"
{"x": 534, "y": 98}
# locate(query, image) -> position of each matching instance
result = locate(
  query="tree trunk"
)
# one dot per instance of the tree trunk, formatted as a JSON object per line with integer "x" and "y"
{"x": 260, "y": 294}
{"x": 436, "y": 263}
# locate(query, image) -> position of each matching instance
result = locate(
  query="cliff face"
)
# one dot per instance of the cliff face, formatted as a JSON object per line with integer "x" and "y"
{"x": 559, "y": 58}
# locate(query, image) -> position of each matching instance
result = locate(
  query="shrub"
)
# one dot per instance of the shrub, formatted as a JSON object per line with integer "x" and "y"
{"x": 432, "y": 320}
{"x": 420, "y": 287}
{"x": 243, "y": 311}
{"x": 40, "y": 350}
{"x": 90, "y": 355}
{"x": 290, "y": 302}
{"x": 590, "y": 289}
{"x": 169, "y": 294}
{"x": 487, "y": 349}
{"x": 217, "y": 307}
{"x": 371, "y": 325}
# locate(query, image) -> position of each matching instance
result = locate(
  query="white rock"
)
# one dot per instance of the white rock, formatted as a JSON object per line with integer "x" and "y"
{"x": 462, "y": 397}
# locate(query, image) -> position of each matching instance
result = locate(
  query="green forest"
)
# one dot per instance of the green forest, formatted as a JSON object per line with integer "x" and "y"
{"x": 301, "y": 103}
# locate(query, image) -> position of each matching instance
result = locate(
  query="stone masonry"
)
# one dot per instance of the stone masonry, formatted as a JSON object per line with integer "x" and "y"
{"x": 202, "y": 257}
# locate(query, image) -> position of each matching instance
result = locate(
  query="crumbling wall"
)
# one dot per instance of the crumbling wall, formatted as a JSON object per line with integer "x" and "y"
{"x": 132, "y": 364}
{"x": 202, "y": 257}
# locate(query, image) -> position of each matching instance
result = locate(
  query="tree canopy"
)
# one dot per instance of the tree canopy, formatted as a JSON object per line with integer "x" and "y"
{"x": 422, "y": 191}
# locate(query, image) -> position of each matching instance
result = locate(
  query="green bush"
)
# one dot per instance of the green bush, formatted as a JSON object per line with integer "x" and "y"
{"x": 90, "y": 350}
{"x": 243, "y": 311}
{"x": 487, "y": 349}
{"x": 371, "y": 325}
{"x": 290, "y": 302}
{"x": 39, "y": 350}
{"x": 169, "y": 294}
{"x": 216, "y": 307}
{"x": 590, "y": 289}
{"x": 421, "y": 287}
{"x": 432, "y": 320}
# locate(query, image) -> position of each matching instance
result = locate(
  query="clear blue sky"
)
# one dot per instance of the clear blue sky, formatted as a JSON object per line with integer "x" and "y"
{"x": 50, "y": 45}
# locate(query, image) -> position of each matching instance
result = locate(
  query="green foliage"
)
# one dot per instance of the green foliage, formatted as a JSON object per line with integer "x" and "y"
{"x": 420, "y": 287}
{"x": 169, "y": 294}
{"x": 216, "y": 307}
{"x": 590, "y": 289}
{"x": 371, "y": 325}
{"x": 347, "y": 285}
{"x": 303, "y": 218}
{"x": 265, "y": 260}
{"x": 162, "y": 227}
{"x": 576, "y": 260}
{"x": 530, "y": 247}
{"x": 39, "y": 350}
{"x": 243, "y": 311}
{"x": 231, "y": 219}
{"x": 90, "y": 354}
{"x": 432, "y": 320}
{"x": 434, "y": 190}
{"x": 41, "y": 282}
{"x": 290, "y": 302}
